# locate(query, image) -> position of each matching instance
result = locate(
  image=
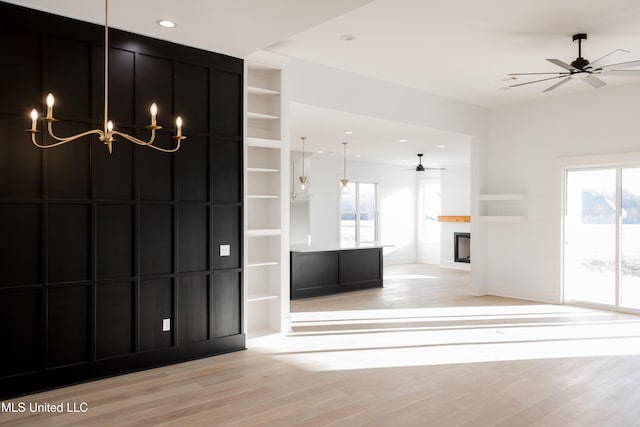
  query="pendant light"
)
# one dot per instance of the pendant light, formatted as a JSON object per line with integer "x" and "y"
{"x": 344, "y": 181}
{"x": 107, "y": 134}
{"x": 303, "y": 178}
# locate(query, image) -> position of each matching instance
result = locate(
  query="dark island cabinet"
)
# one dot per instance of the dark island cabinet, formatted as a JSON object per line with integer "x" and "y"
{"x": 334, "y": 271}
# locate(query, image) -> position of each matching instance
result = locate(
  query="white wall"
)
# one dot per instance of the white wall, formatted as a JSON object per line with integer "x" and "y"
{"x": 524, "y": 144}
{"x": 396, "y": 191}
{"x": 456, "y": 200}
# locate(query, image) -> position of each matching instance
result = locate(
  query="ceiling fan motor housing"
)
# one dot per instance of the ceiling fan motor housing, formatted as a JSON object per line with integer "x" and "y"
{"x": 580, "y": 62}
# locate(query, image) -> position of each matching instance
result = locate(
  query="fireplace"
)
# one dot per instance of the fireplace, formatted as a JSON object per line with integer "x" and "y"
{"x": 462, "y": 247}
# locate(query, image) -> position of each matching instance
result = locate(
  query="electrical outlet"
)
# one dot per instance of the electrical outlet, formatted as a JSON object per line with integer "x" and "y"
{"x": 225, "y": 250}
{"x": 166, "y": 325}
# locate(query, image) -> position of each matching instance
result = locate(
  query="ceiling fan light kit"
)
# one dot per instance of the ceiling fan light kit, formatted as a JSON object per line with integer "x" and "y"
{"x": 581, "y": 67}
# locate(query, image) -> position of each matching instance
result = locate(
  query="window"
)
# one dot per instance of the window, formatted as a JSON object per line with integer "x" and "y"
{"x": 359, "y": 213}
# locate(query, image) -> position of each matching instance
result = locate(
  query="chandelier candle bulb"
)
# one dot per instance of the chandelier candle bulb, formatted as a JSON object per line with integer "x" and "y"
{"x": 34, "y": 120}
{"x": 154, "y": 113}
{"x": 50, "y": 101}
{"x": 179, "y": 126}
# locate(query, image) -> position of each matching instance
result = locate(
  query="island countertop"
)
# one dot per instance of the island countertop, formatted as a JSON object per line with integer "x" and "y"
{"x": 336, "y": 247}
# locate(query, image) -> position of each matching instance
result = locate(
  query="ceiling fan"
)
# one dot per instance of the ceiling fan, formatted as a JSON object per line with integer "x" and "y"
{"x": 581, "y": 67}
{"x": 421, "y": 168}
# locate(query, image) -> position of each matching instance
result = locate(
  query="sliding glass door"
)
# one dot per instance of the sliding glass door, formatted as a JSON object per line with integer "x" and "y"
{"x": 630, "y": 238}
{"x": 602, "y": 237}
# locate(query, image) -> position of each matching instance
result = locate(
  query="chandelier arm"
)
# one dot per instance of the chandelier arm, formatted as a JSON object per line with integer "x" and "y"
{"x": 169, "y": 150}
{"x": 150, "y": 142}
{"x": 136, "y": 140}
{"x": 64, "y": 140}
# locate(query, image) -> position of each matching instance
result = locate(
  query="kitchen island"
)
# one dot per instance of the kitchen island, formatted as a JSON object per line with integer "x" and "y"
{"x": 329, "y": 270}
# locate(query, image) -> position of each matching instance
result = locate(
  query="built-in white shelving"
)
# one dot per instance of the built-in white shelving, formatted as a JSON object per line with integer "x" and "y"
{"x": 489, "y": 208}
{"x": 266, "y": 245}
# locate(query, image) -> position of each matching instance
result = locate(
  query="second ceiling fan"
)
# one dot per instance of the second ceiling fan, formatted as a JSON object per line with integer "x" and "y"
{"x": 581, "y": 67}
{"x": 421, "y": 168}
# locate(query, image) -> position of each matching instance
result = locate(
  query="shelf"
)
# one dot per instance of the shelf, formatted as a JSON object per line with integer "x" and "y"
{"x": 262, "y": 264}
{"x": 258, "y": 298}
{"x": 261, "y": 116}
{"x": 453, "y": 218}
{"x": 501, "y": 218}
{"x": 262, "y": 196}
{"x": 501, "y": 197}
{"x": 262, "y": 90}
{"x": 262, "y": 170}
{"x": 264, "y": 143}
{"x": 264, "y": 232}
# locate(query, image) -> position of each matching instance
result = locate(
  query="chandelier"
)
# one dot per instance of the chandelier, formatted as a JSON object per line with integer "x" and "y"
{"x": 107, "y": 134}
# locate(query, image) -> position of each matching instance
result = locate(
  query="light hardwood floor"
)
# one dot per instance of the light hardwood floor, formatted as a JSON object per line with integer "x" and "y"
{"x": 419, "y": 352}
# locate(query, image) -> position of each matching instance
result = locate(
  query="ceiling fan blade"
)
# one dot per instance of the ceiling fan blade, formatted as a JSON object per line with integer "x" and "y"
{"x": 620, "y": 73}
{"x": 593, "y": 81}
{"x": 536, "y": 81}
{"x": 435, "y": 169}
{"x": 629, "y": 64}
{"x": 598, "y": 62}
{"x": 531, "y": 74}
{"x": 560, "y": 83}
{"x": 563, "y": 64}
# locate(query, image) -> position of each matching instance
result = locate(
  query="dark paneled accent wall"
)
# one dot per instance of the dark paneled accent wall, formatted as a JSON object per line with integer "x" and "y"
{"x": 98, "y": 249}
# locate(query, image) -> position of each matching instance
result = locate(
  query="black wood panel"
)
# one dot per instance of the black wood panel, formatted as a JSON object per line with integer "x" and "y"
{"x": 68, "y": 325}
{"x": 68, "y": 71}
{"x": 69, "y": 243}
{"x": 156, "y": 172}
{"x": 193, "y": 169}
{"x": 192, "y": 309}
{"x": 114, "y": 249}
{"x": 226, "y": 222}
{"x": 226, "y": 108}
{"x": 121, "y": 87}
{"x": 20, "y": 252}
{"x": 154, "y": 83}
{"x": 193, "y": 244}
{"x": 156, "y": 239}
{"x": 192, "y": 96}
{"x": 114, "y": 319}
{"x": 227, "y": 303}
{"x": 99, "y": 248}
{"x": 20, "y": 164}
{"x": 227, "y": 165}
{"x": 114, "y": 172}
{"x": 156, "y": 302}
{"x": 21, "y": 334}
{"x": 21, "y": 82}
{"x": 360, "y": 265}
{"x": 68, "y": 173}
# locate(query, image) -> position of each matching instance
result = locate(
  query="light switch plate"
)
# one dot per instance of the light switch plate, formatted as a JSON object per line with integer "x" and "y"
{"x": 225, "y": 250}
{"x": 166, "y": 325}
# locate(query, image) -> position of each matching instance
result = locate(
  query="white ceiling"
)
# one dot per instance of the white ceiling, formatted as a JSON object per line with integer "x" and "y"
{"x": 373, "y": 140}
{"x": 461, "y": 49}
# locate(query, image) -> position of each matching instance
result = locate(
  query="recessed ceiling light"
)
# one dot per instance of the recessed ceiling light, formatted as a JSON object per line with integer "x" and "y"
{"x": 166, "y": 23}
{"x": 348, "y": 132}
{"x": 441, "y": 146}
{"x": 320, "y": 152}
{"x": 404, "y": 140}
{"x": 357, "y": 155}
{"x": 346, "y": 37}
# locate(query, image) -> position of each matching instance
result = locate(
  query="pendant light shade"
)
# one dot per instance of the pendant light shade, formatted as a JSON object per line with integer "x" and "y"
{"x": 344, "y": 181}
{"x": 303, "y": 178}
